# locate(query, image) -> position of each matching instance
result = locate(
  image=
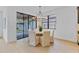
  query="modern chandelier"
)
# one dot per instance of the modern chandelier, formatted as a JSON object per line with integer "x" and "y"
{"x": 40, "y": 14}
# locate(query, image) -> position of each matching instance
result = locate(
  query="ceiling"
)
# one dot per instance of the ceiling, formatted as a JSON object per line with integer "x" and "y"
{"x": 44, "y": 9}
{"x": 33, "y": 10}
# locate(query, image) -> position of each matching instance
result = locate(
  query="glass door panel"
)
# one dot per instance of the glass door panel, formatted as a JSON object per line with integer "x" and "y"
{"x": 19, "y": 26}
{"x": 24, "y": 23}
{"x": 30, "y": 22}
{"x": 26, "y": 26}
{"x": 34, "y": 24}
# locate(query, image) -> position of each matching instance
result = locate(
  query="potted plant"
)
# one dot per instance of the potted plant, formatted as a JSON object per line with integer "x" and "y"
{"x": 40, "y": 28}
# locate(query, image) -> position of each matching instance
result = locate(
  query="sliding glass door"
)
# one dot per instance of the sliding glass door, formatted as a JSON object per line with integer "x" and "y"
{"x": 19, "y": 26}
{"x": 32, "y": 23}
{"x": 25, "y": 32}
{"x": 24, "y": 23}
{"x": 22, "y": 26}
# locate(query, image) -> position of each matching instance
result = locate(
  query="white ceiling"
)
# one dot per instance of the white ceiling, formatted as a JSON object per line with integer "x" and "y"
{"x": 44, "y": 9}
{"x": 34, "y": 9}
{"x": 48, "y": 8}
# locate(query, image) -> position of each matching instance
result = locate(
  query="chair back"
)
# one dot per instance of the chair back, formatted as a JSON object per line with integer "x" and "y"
{"x": 45, "y": 41}
{"x": 32, "y": 38}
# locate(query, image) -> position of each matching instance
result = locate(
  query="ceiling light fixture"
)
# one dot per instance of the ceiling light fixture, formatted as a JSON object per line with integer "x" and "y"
{"x": 40, "y": 15}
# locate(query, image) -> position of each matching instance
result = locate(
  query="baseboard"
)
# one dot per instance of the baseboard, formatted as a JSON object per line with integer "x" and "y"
{"x": 65, "y": 39}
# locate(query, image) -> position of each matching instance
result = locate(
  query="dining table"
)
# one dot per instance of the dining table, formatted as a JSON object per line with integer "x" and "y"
{"x": 39, "y": 35}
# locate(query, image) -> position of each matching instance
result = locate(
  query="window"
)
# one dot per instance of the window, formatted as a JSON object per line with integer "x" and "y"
{"x": 49, "y": 23}
{"x": 32, "y": 23}
{"x": 22, "y": 26}
{"x": 24, "y": 23}
{"x": 45, "y": 24}
{"x": 52, "y": 22}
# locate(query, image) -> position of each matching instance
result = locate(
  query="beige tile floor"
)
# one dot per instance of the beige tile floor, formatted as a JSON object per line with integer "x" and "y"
{"x": 20, "y": 46}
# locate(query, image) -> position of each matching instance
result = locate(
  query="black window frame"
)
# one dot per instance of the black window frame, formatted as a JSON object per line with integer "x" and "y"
{"x": 23, "y": 22}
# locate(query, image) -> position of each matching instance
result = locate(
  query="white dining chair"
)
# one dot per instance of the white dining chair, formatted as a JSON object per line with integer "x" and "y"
{"x": 45, "y": 39}
{"x": 52, "y": 36}
{"x": 33, "y": 39}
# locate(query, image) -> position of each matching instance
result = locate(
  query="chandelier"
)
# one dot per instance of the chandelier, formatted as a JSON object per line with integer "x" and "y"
{"x": 40, "y": 15}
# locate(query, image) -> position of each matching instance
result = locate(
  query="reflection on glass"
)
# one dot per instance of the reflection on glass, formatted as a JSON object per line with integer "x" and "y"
{"x": 32, "y": 23}
{"x": 26, "y": 27}
{"x": 24, "y": 23}
{"x": 19, "y": 26}
{"x": 45, "y": 24}
{"x": 22, "y": 26}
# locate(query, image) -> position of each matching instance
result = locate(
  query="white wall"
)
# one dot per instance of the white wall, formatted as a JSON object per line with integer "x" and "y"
{"x": 66, "y": 23}
{"x": 1, "y": 24}
{"x": 11, "y": 21}
{"x": 2, "y": 16}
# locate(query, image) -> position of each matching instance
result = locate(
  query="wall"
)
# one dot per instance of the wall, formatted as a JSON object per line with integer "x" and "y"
{"x": 11, "y": 21}
{"x": 1, "y": 25}
{"x": 2, "y": 16}
{"x": 66, "y": 23}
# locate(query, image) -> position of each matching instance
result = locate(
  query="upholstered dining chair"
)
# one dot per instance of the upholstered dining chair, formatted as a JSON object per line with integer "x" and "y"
{"x": 51, "y": 36}
{"x": 32, "y": 38}
{"x": 45, "y": 39}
